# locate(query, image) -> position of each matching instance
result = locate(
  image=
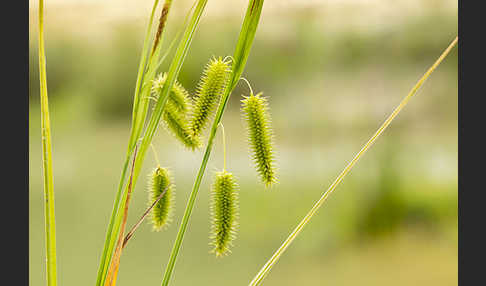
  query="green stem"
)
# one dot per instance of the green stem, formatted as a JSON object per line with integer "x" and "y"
{"x": 155, "y": 61}
{"x": 240, "y": 57}
{"x": 271, "y": 262}
{"x": 50, "y": 221}
{"x": 224, "y": 146}
{"x": 110, "y": 235}
{"x": 174, "y": 69}
{"x": 154, "y": 121}
{"x": 141, "y": 69}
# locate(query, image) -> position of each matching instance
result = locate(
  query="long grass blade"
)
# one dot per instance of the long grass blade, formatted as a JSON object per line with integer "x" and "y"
{"x": 271, "y": 262}
{"x": 120, "y": 200}
{"x": 143, "y": 100}
{"x": 115, "y": 263}
{"x": 50, "y": 220}
{"x": 141, "y": 69}
{"x": 113, "y": 226}
{"x": 240, "y": 57}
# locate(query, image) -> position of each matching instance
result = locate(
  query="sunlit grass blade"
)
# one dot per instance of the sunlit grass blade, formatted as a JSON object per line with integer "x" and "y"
{"x": 115, "y": 218}
{"x": 154, "y": 121}
{"x": 172, "y": 74}
{"x": 242, "y": 51}
{"x": 271, "y": 262}
{"x": 50, "y": 220}
{"x": 138, "y": 98}
{"x": 155, "y": 62}
{"x": 115, "y": 262}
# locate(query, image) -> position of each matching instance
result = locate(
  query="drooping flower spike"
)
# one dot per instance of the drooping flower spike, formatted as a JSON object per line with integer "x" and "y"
{"x": 211, "y": 85}
{"x": 163, "y": 210}
{"x": 176, "y": 111}
{"x": 224, "y": 212}
{"x": 260, "y": 136}
{"x": 178, "y": 96}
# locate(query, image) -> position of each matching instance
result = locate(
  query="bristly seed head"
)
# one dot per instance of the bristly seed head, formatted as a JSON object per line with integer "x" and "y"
{"x": 260, "y": 136}
{"x": 224, "y": 212}
{"x": 163, "y": 211}
{"x": 178, "y": 95}
{"x": 175, "y": 113}
{"x": 211, "y": 85}
{"x": 176, "y": 123}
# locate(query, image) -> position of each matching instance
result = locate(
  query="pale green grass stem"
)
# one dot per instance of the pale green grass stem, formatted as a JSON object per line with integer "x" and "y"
{"x": 50, "y": 220}
{"x": 271, "y": 262}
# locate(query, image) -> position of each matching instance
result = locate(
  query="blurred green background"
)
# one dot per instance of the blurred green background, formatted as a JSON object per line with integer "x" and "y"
{"x": 333, "y": 71}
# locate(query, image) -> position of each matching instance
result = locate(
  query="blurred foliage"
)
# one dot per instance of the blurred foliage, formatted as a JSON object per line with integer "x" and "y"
{"x": 105, "y": 73}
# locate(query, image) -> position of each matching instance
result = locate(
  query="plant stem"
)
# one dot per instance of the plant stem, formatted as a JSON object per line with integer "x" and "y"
{"x": 50, "y": 220}
{"x": 224, "y": 146}
{"x": 115, "y": 263}
{"x": 154, "y": 121}
{"x": 114, "y": 223}
{"x": 171, "y": 77}
{"x": 271, "y": 262}
{"x": 242, "y": 51}
{"x": 141, "y": 69}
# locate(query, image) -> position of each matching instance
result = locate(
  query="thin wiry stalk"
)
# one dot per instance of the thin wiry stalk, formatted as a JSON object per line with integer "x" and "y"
{"x": 242, "y": 51}
{"x": 131, "y": 232}
{"x": 268, "y": 266}
{"x": 50, "y": 220}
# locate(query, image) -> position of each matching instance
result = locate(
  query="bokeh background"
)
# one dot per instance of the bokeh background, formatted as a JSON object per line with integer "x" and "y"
{"x": 333, "y": 71}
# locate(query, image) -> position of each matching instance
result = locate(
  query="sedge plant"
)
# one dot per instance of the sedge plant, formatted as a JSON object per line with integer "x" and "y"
{"x": 140, "y": 110}
{"x": 186, "y": 119}
{"x": 115, "y": 219}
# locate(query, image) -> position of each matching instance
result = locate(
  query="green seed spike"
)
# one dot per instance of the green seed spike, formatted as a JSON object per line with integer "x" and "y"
{"x": 176, "y": 123}
{"x": 178, "y": 95}
{"x": 260, "y": 134}
{"x": 224, "y": 212}
{"x": 212, "y": 84}
{"x": 175, "y": 112}
{"x": 163, "y": 211}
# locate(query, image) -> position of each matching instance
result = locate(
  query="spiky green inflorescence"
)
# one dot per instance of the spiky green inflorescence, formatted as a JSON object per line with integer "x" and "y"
{"x": 178, "y": 95}
{"x": 260, "y": 136}
{"x": 224, "y": 212}
{"x": 163, "y": 211}
{"x": 212, "y": 84}
{"x": 177, "y": 124}
{"x": 175, "y": 114}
